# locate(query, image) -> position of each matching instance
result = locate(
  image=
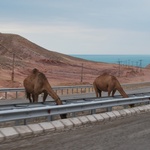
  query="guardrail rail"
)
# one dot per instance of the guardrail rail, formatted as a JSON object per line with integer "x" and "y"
{"x": 62, "y": 90}
{"x": 25, "y": 111}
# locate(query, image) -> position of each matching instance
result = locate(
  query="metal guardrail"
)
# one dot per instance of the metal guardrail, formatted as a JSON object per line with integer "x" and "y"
{"x": 58, "y": 89}
{"x": 24, "y": 111}
{"x": 62, "y": 90}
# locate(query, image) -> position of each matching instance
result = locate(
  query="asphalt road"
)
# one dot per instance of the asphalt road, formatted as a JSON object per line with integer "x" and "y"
{"x": 132, "y": 133}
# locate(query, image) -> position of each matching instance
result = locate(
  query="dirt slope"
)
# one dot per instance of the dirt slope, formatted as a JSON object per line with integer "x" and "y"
{"x": 60, "y": 69}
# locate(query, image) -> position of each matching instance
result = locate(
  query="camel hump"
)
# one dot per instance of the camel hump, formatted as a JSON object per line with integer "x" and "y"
{"x": 42, "y": 80}
{"x": 105, "y": 74}
{"x": 114, "y": 78}
{"x": 42, "y": 76}
{"x": 34, "y": 71}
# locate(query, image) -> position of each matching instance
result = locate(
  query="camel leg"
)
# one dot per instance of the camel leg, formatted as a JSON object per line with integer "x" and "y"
{"x": 109, "y": 92}
{"x": 97, "y": 94}
{"x": 45, "y": 96}
{"x": 100, "y": 93}
{"x": 35, "y": 98}
{"x": 29, "y": 96}
{"x": 113, "y": 93}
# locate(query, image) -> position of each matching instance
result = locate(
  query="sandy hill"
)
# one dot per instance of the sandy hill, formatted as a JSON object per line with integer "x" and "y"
{"x": 60, "y": 69}
{"x": 25, "y": 50}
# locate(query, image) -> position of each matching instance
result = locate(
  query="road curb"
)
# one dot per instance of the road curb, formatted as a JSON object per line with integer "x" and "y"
{"x": 20, "y": 132}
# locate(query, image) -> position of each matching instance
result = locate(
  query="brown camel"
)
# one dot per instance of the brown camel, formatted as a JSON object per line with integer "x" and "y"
{"x": 37, "y": 83}
{"x": 108, "y": 83}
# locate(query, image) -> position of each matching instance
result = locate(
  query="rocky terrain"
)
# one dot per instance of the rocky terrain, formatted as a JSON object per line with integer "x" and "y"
{"x": 60, "y": 69}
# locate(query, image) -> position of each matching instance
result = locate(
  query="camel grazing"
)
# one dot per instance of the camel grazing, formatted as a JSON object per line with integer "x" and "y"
{"x": 108, "y": 83}
{"x": 37, "y": 83}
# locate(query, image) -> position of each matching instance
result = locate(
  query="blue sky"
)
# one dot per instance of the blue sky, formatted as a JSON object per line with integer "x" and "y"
{"x": 80, "y": 26}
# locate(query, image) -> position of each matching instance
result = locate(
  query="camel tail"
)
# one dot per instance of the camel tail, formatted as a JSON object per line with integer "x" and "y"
{"x": 28, "y": 96}
{"x": 95, "y": 88}
{"x": 122, "y": 92}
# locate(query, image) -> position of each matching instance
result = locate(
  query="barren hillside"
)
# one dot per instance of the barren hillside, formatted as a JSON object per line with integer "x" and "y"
{"x": 60, "y": 69}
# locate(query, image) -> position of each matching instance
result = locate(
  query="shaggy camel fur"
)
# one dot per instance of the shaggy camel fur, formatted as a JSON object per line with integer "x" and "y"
{"x": 37, "y": 83}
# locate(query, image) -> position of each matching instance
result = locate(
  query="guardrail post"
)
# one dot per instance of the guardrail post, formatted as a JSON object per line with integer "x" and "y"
{"x": 77, "y": 90}
{"x": 16, "y": 94}
{"x": 93, "y": 111}
{"x": 109, "y": 109}
{"x": 125, "y": 106}
{"x": 17, "y": 123}
{"x": 92, "y": 89}
{"x": 73, "y": 114}
{"x": 62, "y": 92}
{"x": 49, "y": 118}
{"x": 146, "y": 103}
{"x": 5, "y": 95}
{"x": 25, "y": 121}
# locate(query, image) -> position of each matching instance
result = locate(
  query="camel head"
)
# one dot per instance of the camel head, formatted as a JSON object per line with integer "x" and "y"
{"x": 63, "y": 116}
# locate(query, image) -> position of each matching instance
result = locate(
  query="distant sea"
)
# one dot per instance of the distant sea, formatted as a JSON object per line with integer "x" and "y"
{"x": 132, "y": 60}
